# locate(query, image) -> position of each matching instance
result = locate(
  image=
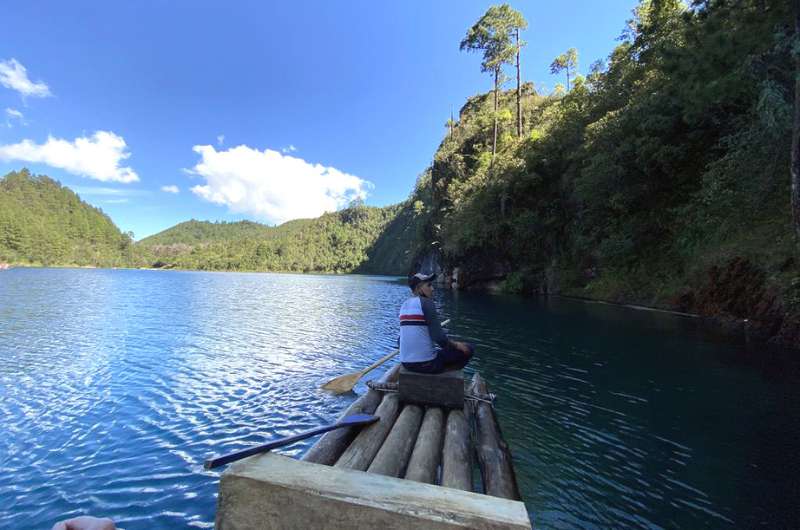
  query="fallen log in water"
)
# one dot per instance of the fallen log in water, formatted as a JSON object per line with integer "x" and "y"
{"x": 363, "y": 449}
{"x": 494, "y": 456}
{"x": 456, "y": 471}
{"x": 392, "y": 458}
{"x": 330, "y": 447}
{"x": 427, "y": 451}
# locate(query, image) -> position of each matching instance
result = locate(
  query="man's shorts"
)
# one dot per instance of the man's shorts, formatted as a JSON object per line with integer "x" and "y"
{"x": 447, "y": 358}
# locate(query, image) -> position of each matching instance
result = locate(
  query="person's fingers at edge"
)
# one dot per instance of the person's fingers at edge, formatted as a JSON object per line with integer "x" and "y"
{"x": 86, "y": 522}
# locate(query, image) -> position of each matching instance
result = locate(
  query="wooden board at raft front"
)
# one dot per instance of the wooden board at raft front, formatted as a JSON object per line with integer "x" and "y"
{"x": 273, "y": 491}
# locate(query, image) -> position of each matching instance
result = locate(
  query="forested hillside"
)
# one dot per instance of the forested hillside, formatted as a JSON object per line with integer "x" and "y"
{"x": 43, "y": 223}
{"x": 198, "y": 232}
{"x": 662, "y": 177}
{"x": 359, "y": 238}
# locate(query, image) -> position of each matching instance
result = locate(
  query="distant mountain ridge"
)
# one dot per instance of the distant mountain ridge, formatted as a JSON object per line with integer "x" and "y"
{"x": 199, "y": 232}
{"x": 356, "y": 239}
{"x": 45, "y": 223}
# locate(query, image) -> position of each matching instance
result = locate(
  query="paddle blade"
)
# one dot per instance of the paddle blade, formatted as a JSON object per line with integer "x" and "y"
{"x": 343, "y": 383}
{"x": 359, "y": 419}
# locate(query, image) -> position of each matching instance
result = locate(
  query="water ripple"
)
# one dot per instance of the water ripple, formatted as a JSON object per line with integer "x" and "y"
{"x": 116, "y": 385}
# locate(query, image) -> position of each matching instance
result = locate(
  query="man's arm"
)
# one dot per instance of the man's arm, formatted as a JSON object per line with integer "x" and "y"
{"x": 434, "y": 326}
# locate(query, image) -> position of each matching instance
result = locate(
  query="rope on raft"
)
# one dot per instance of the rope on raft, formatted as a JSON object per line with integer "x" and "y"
{"x": 393, "y": 387}
{"x": 383, "y": 387}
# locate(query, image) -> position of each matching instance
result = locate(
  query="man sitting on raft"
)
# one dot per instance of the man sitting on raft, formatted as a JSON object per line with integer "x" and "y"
{"x": 421, "y": 332}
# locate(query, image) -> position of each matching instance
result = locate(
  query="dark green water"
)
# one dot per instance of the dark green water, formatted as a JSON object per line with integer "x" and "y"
{"x": 623, "y": 418}
{"x": 116, "y": 385}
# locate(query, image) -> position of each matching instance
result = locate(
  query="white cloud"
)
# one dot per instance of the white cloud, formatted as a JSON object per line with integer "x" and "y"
{"x": 170, "y": 189}
{"x": 14, "y": 114}
{"x": 100, "y": 191}
{"x": 115, "y": 201}
{"x": 289, "y": 149}
{"x": 272, "y": 186}
{"x": 15, "y": 76}
{"x": 220, "y": 139}
{"x": 97, "y": 157}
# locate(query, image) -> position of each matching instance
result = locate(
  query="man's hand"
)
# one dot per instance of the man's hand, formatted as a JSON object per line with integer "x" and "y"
{"x": 462, "y": 346}
{"x": 85, "y": 522}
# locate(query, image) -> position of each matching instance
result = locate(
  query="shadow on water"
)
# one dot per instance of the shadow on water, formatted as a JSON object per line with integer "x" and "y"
{"x": 628, "y": 418}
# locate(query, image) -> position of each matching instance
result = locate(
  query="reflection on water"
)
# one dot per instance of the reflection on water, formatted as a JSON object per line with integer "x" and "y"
{"x": 116, "y": 385}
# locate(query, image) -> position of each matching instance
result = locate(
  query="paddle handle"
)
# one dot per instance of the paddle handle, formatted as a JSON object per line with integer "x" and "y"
{"x": 379, "y": 362}
{"x": 227, "y": 459}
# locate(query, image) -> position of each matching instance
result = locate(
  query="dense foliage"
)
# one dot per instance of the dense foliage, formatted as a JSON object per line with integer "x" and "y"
{"x": 671, "y": 159}
{"x": 358, "y": 238}
{"x": 198, "y": 232}
{"x": 42, "y": 222}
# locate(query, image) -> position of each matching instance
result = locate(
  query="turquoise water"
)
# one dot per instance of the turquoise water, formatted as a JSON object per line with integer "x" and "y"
{"x": 116, "y": 385}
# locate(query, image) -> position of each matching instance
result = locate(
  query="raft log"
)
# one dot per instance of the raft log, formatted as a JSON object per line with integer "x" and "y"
{"x": 494, "y": 456}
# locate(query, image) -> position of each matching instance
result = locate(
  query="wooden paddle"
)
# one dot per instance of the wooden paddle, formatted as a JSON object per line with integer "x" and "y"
{"x": 345, "y": 383}
{"x": 350, "y": 421}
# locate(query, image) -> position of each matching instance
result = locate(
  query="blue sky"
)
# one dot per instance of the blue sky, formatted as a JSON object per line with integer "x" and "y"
{"x": 252, "y": 110}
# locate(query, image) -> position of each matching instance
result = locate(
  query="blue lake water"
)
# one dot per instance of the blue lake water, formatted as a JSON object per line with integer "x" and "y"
{"x": 115, "y": 386}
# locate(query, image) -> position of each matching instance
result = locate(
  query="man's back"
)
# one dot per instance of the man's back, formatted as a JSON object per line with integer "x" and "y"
{"x": 415, "y": 339}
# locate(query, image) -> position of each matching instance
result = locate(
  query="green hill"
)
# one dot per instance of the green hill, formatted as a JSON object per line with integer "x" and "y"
{"x": 351, "y": 240}
{"x": 203, "y": 232}
{"x": 198, "y": 232}
{"x": 42, "y": 222}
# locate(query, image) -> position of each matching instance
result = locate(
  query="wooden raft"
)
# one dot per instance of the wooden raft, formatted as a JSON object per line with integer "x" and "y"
{"x": 429, "y": 444}
{"x": 411, "y": 469}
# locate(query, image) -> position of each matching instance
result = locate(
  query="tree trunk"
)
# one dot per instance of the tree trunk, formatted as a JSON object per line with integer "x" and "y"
{"x": 496, "y": 83}
{"x": 567, "y": 78}
{"x": 519, "y": 93}
{"x": 795, "y": 169}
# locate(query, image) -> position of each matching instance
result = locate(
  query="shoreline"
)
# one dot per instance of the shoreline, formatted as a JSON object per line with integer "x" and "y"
{"x": 637, "y": 307}
{"x": 176, "y": 269}
{"x": 745, "y": 329}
